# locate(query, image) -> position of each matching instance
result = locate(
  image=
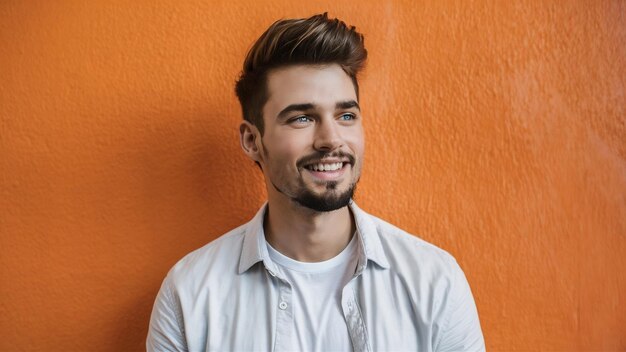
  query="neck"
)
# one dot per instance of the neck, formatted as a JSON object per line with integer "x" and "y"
{"x": 304, "y": 234}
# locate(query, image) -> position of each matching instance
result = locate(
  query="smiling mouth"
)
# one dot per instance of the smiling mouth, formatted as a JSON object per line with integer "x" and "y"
{"x": 325, "y": 167}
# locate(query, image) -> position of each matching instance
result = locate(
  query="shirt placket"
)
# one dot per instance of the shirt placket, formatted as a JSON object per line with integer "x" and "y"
{"x": 354, "y": 319}
{"x": 284, "y": 315}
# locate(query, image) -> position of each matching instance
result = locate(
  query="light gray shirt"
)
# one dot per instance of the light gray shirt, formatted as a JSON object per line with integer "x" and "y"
{"x": 405, "y": 295}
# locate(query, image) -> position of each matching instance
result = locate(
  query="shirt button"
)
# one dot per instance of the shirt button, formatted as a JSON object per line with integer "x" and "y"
{"x": 282, "y": 305}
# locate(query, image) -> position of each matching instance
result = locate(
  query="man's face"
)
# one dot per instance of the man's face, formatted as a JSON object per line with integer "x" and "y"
{"x": 312, "y": 148}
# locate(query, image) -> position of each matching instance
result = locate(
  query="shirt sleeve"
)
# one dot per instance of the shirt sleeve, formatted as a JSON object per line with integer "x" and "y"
{"x": 166, "y": 332}
{"x": 461, "y": 330}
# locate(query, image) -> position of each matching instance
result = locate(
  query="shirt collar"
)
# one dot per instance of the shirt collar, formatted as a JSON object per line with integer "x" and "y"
{"x": 254, "y": 247}
{"x": 369, "y": 239}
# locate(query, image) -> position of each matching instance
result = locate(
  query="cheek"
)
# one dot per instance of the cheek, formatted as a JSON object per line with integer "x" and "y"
{"x": 285, "y": 150}
{"x": 356, "y": 141}
{"x": 293, "y": 144}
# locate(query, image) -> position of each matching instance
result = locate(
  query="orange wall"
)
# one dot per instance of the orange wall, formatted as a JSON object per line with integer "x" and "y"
{"x": 494, "y": 131}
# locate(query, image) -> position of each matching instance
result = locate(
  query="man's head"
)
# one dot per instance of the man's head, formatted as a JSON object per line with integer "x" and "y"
{"x": 302, "y": 121}
{"x": 316, "y": 40}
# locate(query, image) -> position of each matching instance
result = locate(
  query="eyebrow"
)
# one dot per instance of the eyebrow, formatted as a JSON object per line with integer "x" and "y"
{"x": 348, "y": 104}
{"x": 295, "y": 107}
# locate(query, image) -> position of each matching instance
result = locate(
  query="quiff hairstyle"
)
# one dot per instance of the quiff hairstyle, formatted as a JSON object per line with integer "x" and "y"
{"x": 316, "y": 40}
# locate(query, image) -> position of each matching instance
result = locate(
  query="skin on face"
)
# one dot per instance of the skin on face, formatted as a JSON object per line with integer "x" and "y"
{"x": 312, "y": 121}
{"x": 313, "y": 141}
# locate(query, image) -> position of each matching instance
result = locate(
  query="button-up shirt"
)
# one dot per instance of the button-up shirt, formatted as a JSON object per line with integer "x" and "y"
{"x": 405, "y": 295}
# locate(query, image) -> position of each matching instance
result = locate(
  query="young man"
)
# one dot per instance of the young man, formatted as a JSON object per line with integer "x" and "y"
{"x": 312, "y": 271}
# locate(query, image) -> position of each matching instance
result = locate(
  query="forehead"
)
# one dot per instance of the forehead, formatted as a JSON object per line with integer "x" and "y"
{"x": 322, "y": 86}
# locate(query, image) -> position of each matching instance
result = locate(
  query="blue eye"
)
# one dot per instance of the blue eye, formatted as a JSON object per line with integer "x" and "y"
{"x": 347, "y": 117}
{"x": 301, "y": 119}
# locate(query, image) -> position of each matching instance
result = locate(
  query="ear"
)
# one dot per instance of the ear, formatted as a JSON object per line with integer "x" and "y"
{"x": 250, "y": 139}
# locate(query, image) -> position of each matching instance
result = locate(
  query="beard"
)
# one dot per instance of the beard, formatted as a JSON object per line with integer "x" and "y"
{"x": 329, "y": 201}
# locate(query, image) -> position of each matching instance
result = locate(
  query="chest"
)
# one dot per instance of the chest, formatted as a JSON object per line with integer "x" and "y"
{"x": 260, "y": 313}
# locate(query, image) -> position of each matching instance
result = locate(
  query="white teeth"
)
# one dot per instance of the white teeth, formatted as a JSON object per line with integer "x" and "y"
{"x": 326, "y": 167}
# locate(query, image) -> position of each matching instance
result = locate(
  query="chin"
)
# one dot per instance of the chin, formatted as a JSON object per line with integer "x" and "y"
{"x": 329, "y": 201}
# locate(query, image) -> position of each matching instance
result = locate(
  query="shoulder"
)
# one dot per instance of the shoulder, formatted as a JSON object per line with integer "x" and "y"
{"x": 435, "y": 284}
{"x": 211, "y": 262}
{"x": 428, "y": 272}
{"x": 410, "y": 256}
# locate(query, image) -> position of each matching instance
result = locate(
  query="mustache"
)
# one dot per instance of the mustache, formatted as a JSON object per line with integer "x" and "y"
{"x": 320, "y": 156}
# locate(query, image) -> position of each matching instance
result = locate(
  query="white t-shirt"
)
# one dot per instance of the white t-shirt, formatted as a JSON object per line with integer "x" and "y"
{"x": 319, "y": 323}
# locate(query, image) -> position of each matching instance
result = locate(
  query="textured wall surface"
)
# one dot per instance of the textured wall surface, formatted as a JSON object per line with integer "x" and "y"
{"x": 497, "y": 132}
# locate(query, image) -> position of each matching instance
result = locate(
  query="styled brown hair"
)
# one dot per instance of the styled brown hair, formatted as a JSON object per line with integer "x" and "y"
{"x": 316, "y": 40}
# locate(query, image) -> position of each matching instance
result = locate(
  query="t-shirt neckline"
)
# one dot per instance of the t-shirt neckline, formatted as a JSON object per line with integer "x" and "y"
{"x": 313, "y": 267}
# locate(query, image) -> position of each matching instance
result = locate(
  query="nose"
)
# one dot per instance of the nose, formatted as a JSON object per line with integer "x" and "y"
{"x": 327, "y": 135}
